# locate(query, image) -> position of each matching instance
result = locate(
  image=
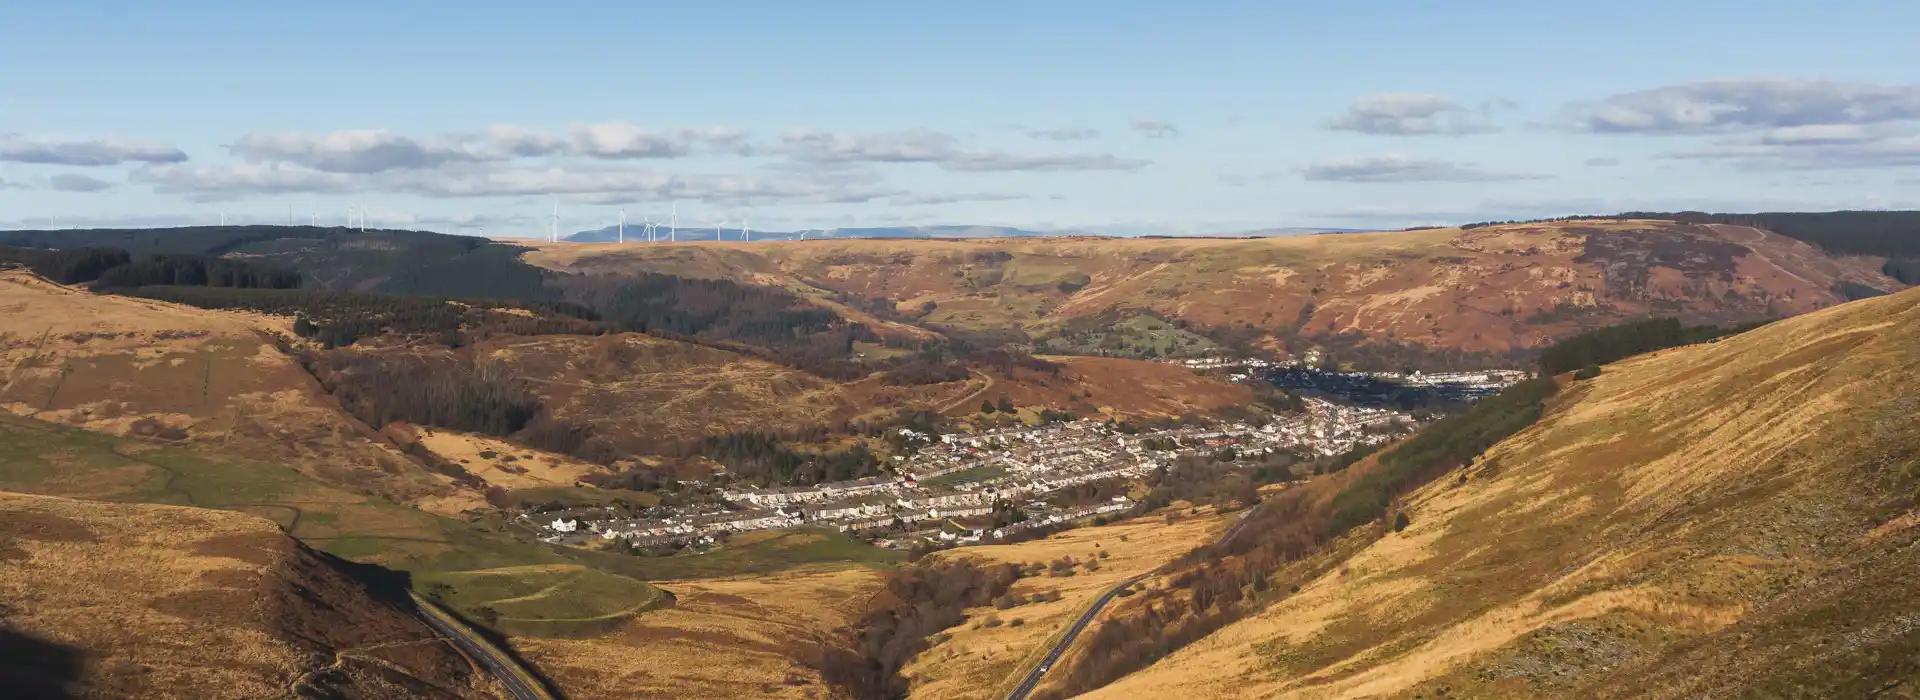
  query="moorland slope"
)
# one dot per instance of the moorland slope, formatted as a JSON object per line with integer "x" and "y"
{"x": 1730, "y": 519}
{"x": 1492, "y": 288}
{"x": 153, "y": 601}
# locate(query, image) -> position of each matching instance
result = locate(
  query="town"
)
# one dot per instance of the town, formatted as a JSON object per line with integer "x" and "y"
{"x": 944, "y": 488}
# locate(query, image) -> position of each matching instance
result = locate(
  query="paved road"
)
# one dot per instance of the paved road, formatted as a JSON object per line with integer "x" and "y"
{"x": 1033, "y": 679}
{"x": 517, "y": 680}
{"x": 1053, "y": 655}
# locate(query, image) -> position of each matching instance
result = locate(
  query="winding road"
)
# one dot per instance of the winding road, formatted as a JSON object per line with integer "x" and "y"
{"x": 517, "y": 680}
{"x": 1032, "y": 681}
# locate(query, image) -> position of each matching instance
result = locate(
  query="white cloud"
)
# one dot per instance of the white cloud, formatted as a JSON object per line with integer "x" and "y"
{"x": 75, "y": 182}
{"x": 1395, "y": 167}
{"x": 613, "y": 141}
{"x": 1156, "y": 128}
{"x": 1065, "y": 133}
{"x": 375, "y": 151}
{"x": 603, "y": 186}
{"x": 360, "y": 151}
{"x": 918, "y": 199}
{"x": 921, "y": 146}
{"x": 1815, "y": 149}
{"x": 19, "y": 149}
{"x": 1602, "y": 162}
{"x": 1740, "y": 104}
{"x": 1407, "y": 114}
{"x": 232, "y": 181}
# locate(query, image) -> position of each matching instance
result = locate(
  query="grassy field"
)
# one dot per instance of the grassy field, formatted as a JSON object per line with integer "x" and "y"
{"x": 55, "y": 460}
{"x": 722, "y": 639}
{"x": 1134, "y": 336}
{"x": 965, "y": 476}
{"x": 1732, "y": 519}
{"x": 548, "y": 600}
{"x": 765, "y": 552}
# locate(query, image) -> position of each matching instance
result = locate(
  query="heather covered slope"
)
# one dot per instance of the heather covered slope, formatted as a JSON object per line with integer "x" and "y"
{"x": 1729, "y": 519}
{"x": 212, "y": 379}
{"x": 1492, "y": 288}
{"x": 116, "y": 600}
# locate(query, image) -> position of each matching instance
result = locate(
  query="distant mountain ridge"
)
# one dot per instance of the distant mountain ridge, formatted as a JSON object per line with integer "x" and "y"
{"x": 634, "y": 233}
{"x": 612, "y": 233}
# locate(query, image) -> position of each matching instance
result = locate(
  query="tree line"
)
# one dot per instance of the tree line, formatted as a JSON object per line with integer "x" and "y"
{"x": 765, "y": 460}
{"x": 113, "y": 268}
{"x": 915, "y": 604}
{"x": 1621, "y": 341}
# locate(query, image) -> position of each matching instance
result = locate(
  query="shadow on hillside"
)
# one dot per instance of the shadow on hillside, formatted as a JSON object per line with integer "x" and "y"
{"x": 390, "y": 587}
{"x": 32, "y": 668}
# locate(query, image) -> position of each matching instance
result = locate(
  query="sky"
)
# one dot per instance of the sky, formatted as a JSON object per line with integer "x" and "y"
{"x": 1117, "y": 116}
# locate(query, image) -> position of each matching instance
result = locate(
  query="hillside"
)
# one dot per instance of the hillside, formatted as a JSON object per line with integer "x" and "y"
{"x": 1732, "y": 519}
{"x": 975, "y": 661}
{"x": 149, "y": 601}
{"x": 1491, "y": 289}
{"x": 187, "y": 376}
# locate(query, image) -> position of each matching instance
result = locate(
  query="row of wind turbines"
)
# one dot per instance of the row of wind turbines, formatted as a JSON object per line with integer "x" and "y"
{"x": 650, "y": 229}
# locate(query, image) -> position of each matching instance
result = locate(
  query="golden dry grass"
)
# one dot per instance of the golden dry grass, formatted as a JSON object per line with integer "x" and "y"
{"x": 723, "y": 638}
{"x": 486, "y": 457}
{"x": 212, "y": 379}
{"x": 975, "y": 660}
{"x": 1700, "y": 517}
{"x": 173, "y": 602}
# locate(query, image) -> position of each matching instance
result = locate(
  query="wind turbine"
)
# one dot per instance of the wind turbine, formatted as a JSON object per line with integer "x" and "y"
{"x": 553, "y": 225}
{"x": 716, "y": 229}
{"x": 746, "y": 232}
{"x": 673, "y": 227}
{"x": 623, "y": 225}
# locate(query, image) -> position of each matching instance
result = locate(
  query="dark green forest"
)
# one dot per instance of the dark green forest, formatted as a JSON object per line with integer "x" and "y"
{"x": 1618, "y": 342}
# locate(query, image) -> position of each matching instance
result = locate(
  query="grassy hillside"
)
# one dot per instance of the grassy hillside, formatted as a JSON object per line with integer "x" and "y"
{"x": 1733, "y": 519}
{"x": 1491, "y": 288}
{"x": 120, "y": 600}
{"x": 59, "y": 461}
{"x": 973, "y": 661}
{"x": 186, "y": 376}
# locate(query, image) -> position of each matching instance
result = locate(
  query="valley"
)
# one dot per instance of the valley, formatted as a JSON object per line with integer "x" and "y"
{"x": 716, "y": 470}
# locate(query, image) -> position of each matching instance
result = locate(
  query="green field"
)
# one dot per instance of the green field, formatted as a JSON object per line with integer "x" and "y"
{"x": 480, "y": 562}
{"x": 53, "y": 460}
{"x": 965, "y": 476}
{"x": 1135, "y": 336}
{"x": 554, "y": 600}
{"x": 767, "y": 551}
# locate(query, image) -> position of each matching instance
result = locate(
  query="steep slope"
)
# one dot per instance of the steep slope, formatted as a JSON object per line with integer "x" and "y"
{"x": 169, "y": 602}
{"x": 1733, "y": 519}
{"x": 127, "y": 366}
{"x": 975, "y": 661}
{"x": 1491, "y": 288}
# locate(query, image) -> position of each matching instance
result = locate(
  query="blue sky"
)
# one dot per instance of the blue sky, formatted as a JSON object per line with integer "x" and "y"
{"x": 1118, "y": 116}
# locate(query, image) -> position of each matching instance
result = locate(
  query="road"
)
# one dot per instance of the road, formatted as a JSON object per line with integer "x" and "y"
{"x": 970, "y": 397}
{"x": 1053, "y": 655}
{"x": 521, "y": 684}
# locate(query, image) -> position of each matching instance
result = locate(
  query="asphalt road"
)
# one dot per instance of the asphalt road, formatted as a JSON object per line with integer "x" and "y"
{"x": 1033, "y": 679}
{"x": 504, "y": 669}
{"x": 1053, "y": 655}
